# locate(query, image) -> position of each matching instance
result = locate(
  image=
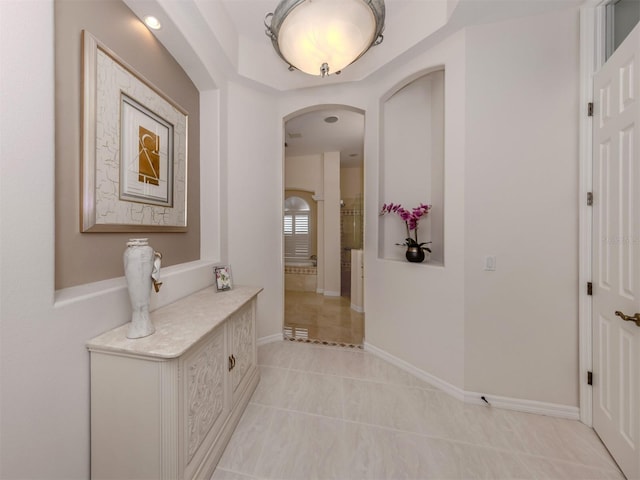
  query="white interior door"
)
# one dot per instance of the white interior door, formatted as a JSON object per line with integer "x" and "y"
{"x": 616, "y": 255}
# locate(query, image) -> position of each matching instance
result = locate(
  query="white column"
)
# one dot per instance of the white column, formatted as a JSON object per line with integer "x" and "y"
{"x": 331, "y": 167}
{"x": 320, "y": 247}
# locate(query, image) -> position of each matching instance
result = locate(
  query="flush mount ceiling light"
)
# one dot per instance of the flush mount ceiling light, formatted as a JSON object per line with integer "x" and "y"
{"x": 322, "y": 36}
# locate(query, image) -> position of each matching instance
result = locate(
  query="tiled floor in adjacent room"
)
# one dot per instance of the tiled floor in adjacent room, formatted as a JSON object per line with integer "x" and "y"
{"x": 322, "y": 318}
{"x": 336, "y": 413}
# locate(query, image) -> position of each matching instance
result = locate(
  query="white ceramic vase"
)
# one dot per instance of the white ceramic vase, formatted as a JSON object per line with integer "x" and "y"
{"x": 138, "y": 266}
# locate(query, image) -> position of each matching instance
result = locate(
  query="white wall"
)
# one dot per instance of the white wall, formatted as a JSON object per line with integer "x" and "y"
{"x": 415, "y": 312}
{"x": 412, "y": 164}
{"x": 521, "y": 181}
{"x": 26, "y": 179}
{"x": 510, "y": 185}
{"x": 44, "y": 365}
{"x": 513, "y": 333}
{"x": 255, "y": 194}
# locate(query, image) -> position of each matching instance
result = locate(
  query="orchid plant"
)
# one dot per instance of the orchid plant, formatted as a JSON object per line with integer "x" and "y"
{"x": 411, "y": 219}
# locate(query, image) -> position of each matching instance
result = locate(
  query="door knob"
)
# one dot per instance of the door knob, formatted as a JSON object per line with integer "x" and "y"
{"x": 629, "y": 318}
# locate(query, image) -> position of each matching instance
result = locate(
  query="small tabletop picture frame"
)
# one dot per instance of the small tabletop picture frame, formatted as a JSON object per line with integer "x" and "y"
{"x": 224, "y": 280}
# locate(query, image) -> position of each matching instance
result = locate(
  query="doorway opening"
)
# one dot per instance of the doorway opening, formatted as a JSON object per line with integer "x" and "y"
{"x": 323, "y": 226}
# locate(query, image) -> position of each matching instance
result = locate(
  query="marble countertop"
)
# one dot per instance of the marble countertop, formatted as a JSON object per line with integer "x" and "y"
{"x": 179, "y": 325}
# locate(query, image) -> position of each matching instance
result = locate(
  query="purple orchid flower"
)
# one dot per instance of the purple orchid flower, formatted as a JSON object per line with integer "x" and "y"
{"x": 411, "y": 220}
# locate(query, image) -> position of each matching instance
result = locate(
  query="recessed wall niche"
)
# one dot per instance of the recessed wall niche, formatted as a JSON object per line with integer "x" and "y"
{"x": 412, "y": 163}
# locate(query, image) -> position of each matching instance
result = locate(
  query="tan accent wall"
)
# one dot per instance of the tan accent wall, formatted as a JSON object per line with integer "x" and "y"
{"x": 88, "y": 257}
{"x": 351, "y": 184}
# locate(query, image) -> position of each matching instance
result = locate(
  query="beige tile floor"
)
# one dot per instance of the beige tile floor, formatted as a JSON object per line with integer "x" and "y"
{"x": 323, "y": 318}
{"x": 336, "y": 413}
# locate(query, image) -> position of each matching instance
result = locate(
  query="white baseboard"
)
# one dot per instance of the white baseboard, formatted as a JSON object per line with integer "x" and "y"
{"x": 357, "y": 308}
{"x": 449, "y": 388}
{"x": 329, "y": 293}
{"x": 527, "y": 406}
{"x": 276, "y": 337}
{"x": 320, "y": 291}
{"x": 474, "y": 398}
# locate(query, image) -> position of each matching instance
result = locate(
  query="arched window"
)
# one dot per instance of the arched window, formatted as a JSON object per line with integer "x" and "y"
{"x": 297, "y": 228}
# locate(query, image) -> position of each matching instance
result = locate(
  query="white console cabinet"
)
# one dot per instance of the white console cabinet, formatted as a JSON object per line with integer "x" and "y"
{"x": 165, "y": 406}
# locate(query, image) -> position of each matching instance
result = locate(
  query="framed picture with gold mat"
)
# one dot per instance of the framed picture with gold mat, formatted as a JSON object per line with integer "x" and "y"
{"x": 134, "y": 149}
{"x": 146, "y": 155}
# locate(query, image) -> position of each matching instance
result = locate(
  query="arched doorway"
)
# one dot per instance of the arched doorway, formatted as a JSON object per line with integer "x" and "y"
{"x": 324, "y": 191}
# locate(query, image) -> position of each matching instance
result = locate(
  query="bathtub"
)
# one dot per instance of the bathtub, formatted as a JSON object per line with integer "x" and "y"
{"x": 299, "y": 263}
{"x": 300, "y": 276}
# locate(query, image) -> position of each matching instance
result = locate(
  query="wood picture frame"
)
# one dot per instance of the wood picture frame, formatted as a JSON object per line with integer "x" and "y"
{"x": 134, "y": 149}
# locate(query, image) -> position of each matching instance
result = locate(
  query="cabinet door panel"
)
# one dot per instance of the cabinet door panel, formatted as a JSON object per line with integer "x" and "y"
{"x": 242, "y": 331}
{"x": 205, "y": 403}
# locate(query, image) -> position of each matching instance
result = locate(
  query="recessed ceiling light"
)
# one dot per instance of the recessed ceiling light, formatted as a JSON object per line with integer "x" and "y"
{"x": 152, "y": 22}
{"x": 331, "y": 119}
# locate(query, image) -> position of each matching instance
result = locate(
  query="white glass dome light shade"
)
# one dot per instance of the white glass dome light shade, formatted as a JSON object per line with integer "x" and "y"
{"x": 310, "y": 33}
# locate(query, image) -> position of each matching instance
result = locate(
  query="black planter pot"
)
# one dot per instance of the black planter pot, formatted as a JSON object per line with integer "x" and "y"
{"x": 415, "y": 254}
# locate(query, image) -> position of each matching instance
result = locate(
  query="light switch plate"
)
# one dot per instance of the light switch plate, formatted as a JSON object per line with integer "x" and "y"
{"x": 490, "y": 263}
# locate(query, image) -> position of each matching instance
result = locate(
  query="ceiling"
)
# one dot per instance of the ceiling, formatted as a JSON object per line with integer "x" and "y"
{"x": 407, "y": 22}
{"x": 229, "y": 35}
{"x": 212, "y": 36}
{"x": 310, "y": 133}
